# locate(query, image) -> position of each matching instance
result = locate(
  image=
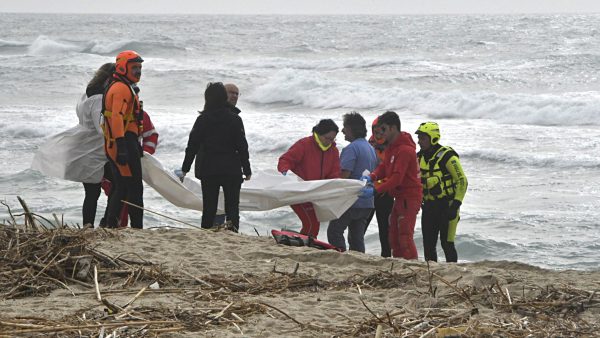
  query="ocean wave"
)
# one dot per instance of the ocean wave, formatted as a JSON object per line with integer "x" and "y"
{"x": 7, "y": 43}
{"x": 316, "y": 90}
{"x": 556, "y": 160}
{"x": 321, "y": 64}
{"x": 44, "y": 45}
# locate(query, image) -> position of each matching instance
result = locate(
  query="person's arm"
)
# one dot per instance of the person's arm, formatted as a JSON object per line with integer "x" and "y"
{"x": 290, "y": 159}
{"x": 192, "y": 146}
{"x": 458, "y": 178}
{"x": 96, "y": 113}
{"x": 389, "y": 183}
{"x": 242, "y": 148}
{"x": 347, "y": 161}
{"x": 149, "y": 135}
{"x": 120, "y": 98}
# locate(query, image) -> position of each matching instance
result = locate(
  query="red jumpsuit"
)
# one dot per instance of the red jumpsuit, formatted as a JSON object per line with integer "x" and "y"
{"x": 309, "y": 162}
{"x": 399, "y": 176}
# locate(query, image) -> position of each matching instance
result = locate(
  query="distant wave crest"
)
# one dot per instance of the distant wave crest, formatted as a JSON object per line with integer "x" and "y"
{"x": 44, "y": 45}
{"x": 311, "y": 89}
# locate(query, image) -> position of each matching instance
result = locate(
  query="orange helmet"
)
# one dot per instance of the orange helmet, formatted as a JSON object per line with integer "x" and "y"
{"x": 122, "y": 64}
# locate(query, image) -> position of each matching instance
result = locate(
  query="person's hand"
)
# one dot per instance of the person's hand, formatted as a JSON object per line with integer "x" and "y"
{"x": 366, "y": 192}
{"x": 284, "y": 173}
{"x": 122, "y": 155}
{"x": 179, "y": 173}
{"x": 453, "y": 209}
{"x": 247, "y": 177}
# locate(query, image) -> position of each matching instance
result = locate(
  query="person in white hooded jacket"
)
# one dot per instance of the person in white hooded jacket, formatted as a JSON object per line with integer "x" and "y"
{"x": 77, "y": 154}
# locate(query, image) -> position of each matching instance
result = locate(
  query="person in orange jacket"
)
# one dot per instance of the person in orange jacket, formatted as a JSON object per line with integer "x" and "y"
{"x": 123, "y": 121}
{"x": 399, "y": 176}
{"x": 312, "y": 158}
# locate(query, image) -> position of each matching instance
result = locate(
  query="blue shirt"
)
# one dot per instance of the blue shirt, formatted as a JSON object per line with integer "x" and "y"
{"x": 355, "y": 158}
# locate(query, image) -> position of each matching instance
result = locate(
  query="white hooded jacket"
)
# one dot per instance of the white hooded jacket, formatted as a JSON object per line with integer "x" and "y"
{"x": 76, "y": 154}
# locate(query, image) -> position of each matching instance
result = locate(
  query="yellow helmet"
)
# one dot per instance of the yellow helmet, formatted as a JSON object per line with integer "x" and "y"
{"x": 432, "y": 129}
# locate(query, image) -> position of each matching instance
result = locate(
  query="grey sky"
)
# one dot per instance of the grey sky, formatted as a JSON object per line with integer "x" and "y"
{"x": 302, "y": 6}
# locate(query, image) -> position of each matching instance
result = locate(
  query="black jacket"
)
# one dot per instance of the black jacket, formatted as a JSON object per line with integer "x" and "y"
{"x": 218, "y": 144}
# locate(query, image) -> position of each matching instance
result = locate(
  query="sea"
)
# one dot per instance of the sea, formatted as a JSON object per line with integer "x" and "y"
{"x": 517, "y": 96}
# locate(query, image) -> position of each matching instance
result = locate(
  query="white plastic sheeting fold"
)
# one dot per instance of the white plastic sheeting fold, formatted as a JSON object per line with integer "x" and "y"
{"x": 266, "y": 190}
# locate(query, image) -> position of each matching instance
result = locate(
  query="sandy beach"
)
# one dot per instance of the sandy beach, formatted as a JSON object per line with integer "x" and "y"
{"x": 190, "y": 283}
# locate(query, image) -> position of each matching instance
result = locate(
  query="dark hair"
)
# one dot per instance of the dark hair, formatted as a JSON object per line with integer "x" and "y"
{"x": 102, "y": 74}
{"x": 390, "y": 118}
{"x": 356, "y": 123}
{"x": 325, "y": 126}
{"x": 215, "y": 96}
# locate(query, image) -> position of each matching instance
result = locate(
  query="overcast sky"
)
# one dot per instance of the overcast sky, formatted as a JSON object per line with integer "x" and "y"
{"x": 302, "y": 6}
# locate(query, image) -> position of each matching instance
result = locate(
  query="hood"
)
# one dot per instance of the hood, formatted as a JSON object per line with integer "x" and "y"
{"x": 405, "y": 139}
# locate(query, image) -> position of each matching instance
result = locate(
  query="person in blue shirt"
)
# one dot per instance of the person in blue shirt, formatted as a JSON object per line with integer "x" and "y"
{"x": 355, "y": 158}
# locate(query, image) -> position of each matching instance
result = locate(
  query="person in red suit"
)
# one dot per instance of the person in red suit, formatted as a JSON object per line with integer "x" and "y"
{"x": 399, "y": 176}
{"x": 314, "y": 157}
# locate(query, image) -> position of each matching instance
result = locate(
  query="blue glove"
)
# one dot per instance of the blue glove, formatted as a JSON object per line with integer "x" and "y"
{"x": 284, "y": 173}
{"x": 179, "y": 173}
{"x": 366, "y": 192}
{"x": 367, "y": 179}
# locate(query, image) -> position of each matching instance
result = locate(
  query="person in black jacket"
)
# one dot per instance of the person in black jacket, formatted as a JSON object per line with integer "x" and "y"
{"x": 218, "y": 144}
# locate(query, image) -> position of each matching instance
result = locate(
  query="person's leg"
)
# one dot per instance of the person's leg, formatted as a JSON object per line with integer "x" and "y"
{"x": 402, "y": 227}
{"x": 430, "y": 230}
{"x": 336, "y": 228}
{"x": 448, "y": 234}
{"x": 383, "y": 209}
{"x": 90, "y": 202}
{"x": 308, "y": 217}
{"x": 118, "y": 191}
{"x": 356, "y": 232}
{"x": 135, "y": 188}
{"x": 124, "y": 217}
{"x": 220, "y": 219}
{"x": 232, "y": 184}
{"x": 210, "y": 199}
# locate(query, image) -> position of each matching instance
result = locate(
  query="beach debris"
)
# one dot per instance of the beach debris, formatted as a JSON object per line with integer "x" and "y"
{"x": 35, "y": 260}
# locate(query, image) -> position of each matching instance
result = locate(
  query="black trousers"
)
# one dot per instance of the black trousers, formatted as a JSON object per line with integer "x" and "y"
{"x": 128, "y": 188}
{"x": 383, "y": 209}
{"x": 434, "y": 223}
{"x": 90, "y": 202}
{"x": 210, "y": 197}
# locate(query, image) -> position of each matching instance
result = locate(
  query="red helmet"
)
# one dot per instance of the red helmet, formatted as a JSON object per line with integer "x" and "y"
{"x": 378, "y": 140}
{"x": 122, "y": 64}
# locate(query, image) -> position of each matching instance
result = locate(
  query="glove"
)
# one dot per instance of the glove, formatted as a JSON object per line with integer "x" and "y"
{"x": 367, "y": 179}
{"x": 366, "y": 192}
{"x": 284, "y": 173}
{"x": 453, "y": 209}
{"x": 179, "y": 173}
{"x": 122, "y": 155}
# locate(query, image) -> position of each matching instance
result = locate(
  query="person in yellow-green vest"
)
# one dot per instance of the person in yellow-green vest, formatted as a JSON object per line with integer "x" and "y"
{"x": 444, "y": 187}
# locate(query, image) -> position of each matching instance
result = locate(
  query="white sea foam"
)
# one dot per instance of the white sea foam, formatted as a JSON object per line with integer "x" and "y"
{"x": 43, "y": 45}
{"x": 314, "y": 90}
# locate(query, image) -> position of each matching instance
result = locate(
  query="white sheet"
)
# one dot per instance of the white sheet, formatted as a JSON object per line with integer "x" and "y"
{"x": 266, "y": 190}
